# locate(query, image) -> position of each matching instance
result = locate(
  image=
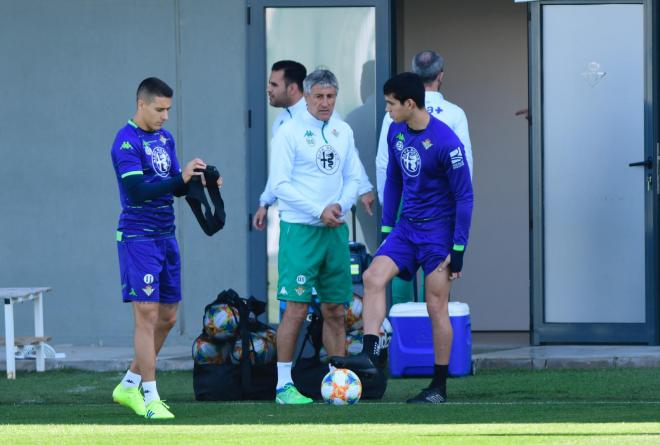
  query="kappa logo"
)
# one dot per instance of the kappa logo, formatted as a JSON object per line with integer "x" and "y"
{"x": 335, "y": 132}
{"x": 327, "y": 160}
{"x": 457, "y": 158}
{"x": 400, "y": 139}
{"x": 148, "y": 279}
{"x": 301, "y": 279}
{"x": 411, "y": 162}
{"x": 309, "y": 138}
{"x": 161, "y": 161}
{"x": 283, "y": 291}
{"x": 126, "y": 146}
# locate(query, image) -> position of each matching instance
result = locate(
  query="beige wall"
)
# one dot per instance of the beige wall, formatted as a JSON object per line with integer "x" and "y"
{"x": 484, "y": 43}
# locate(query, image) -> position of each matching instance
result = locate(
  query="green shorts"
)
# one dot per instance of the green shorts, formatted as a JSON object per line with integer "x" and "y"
{"x": 314, "y": 257}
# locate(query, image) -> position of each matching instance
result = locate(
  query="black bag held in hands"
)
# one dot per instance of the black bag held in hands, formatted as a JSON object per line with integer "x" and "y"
{"x": 245, "y": 381}
{"x": 210, "y": 220}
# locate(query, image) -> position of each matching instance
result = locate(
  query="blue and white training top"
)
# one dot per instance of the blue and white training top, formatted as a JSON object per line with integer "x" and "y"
{"x": 447, "y": 112}
{"x": 428, "y": 169}
{"x": 153, "y": 155}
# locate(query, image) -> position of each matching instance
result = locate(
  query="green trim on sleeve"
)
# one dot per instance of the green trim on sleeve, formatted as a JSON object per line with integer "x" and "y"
{"x": 135, "y": 172}
{"x": 132, "y": 123}
{"x": 386, "y": 229}
{"x": 458, "y": 248}
{"x": 118, "y": 235}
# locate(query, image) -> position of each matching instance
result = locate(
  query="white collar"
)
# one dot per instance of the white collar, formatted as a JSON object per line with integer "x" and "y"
{"x": 297, "y": 107}
{"x": 434, "y": 95}
{"x": 313, "y": 121}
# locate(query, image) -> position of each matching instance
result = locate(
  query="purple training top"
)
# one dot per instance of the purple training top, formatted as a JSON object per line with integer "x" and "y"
{"x": 153, "y": 155}
{"x": 429, "y": 169}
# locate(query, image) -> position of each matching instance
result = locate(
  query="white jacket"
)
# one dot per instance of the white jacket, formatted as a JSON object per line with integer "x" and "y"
{"x": 438, "y": 106}
{"x": 316, "y": 164}
{"x": 267, "y": 197}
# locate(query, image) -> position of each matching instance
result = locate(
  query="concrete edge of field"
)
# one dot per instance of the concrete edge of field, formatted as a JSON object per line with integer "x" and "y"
{"x": 171, "y": 358}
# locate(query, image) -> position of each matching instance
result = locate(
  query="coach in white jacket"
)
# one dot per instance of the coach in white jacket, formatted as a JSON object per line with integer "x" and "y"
{"x": 428, "y": 65}
{"x": 314, "y": 173}
{"x": 285, "y": 90}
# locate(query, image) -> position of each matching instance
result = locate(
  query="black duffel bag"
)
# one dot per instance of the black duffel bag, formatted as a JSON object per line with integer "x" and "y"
{"x": 243, "y": 381}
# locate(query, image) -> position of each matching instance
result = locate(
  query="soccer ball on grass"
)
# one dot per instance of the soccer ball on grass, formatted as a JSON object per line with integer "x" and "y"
{"x": 341, "y": 387}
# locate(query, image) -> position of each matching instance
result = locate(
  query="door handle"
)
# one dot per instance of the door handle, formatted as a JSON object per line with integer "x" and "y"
{"x": 648, "y": 163}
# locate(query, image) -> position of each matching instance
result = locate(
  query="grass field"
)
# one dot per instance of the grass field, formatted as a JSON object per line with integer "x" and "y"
{"x": 618, "y": 406}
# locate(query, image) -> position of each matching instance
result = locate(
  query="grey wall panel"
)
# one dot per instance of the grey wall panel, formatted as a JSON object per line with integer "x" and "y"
{"x": 484, "y": 43}
{"x": 68, "y": 78}
{"x": 213, "y": 116}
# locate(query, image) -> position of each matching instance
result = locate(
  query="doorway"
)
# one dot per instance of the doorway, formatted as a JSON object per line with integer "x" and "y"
{"x": 484, "y": 44}
{"x": 594, "y": 191}
{"x": 353, "y": 41}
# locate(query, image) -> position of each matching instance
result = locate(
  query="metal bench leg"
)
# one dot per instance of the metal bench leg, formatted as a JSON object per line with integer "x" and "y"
{"x": 39, "y": 330}
{"x": 9, "y": 339}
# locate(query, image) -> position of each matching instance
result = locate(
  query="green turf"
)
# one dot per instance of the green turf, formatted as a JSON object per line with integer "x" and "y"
{"x": 497, "y": 407}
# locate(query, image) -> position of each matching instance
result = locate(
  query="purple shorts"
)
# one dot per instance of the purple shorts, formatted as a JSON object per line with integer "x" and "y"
{"x": 411, "y": 244}
{"x": 150, "y": 270}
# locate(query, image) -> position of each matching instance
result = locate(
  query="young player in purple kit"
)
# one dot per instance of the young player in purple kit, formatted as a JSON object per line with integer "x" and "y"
{"x": 429, "y": 171}
{"x": 148, "y": 174}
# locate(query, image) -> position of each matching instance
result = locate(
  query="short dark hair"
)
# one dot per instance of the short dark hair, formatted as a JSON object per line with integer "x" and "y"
{"x": 294, "y": 72}
{"x": 153, "y": 87}
{"x": 406, "y": 86}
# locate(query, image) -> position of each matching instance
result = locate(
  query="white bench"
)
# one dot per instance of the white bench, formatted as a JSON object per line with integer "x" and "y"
{"x": 15, "y": 295}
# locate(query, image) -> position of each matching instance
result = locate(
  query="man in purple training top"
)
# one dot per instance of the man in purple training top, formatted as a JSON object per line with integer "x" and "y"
{"x": 428, "y": 168}
{"x": 148, "y": 173}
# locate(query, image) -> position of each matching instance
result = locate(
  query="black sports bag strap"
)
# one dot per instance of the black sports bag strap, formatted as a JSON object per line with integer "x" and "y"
{"x": 246, "y": 342}
{"x": 313, "y": 335}
{"x": 256, "y": 307}
{"x": 210, "y": 220}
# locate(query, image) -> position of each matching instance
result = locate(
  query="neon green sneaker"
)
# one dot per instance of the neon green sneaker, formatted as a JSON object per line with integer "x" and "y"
{"x": 157, "y": 409}
{"x": 131, "y": 398}
{"x": 289, "y": 395}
